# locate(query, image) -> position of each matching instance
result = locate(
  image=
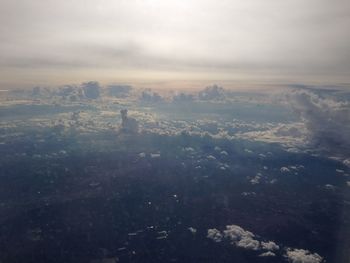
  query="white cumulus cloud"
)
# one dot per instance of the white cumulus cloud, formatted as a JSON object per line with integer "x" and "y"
{"x": 302, "y": 256}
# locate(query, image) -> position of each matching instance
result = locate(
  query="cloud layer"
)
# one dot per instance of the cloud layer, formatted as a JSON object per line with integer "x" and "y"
{"x": 291, "y": 38}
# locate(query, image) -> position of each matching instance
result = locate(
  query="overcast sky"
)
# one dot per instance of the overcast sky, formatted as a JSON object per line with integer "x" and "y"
{"x": 46, "y": 42}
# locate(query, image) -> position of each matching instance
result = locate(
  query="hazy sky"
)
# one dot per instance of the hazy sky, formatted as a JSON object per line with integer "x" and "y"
{"x": 45, "y": 42}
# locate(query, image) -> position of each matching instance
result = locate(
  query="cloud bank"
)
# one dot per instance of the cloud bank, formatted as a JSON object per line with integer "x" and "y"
{"x": 195, "y": 38}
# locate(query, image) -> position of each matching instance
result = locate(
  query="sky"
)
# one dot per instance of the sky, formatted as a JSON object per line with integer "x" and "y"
{"x": 152, "y": 41}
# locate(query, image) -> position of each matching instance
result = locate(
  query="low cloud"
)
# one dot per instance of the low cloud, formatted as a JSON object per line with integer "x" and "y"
{"x": 150, "y": 97}
{"x": 182, "y": 97}
{"x": 270, "y": 245}
{"x": 290, "y": 135}
{"x": 215, "y": 235}
{"x": 267, "y": 254}
{"x": 212, "y": 93}
{"x": 323, "y": 125}
{"x": 237, "y": 236}
{"x": 242, "y": 238}
{"x": 302, "y": 256}
{"x": 326, "y": 118}
{"x": 120, "y": 91}
{"x": 91, "y": 89}
{"x": 128, "y": 125}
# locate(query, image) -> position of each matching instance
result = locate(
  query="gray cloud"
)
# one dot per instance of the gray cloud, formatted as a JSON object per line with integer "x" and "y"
{"x": 212, "y": 93}
{"x": 291, "y": 38}
{"x": 128, "y": 125}
{"x": 324, "y": 125}
{"x": 326, "y": 118}
{"x": 150, "y": 96}
{"x": 91, "y": 89}
{"x": 117, "y": 90}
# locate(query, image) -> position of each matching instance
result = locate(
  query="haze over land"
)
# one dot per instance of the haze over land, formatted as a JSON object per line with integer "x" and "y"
{"x": 138, "y": 175}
